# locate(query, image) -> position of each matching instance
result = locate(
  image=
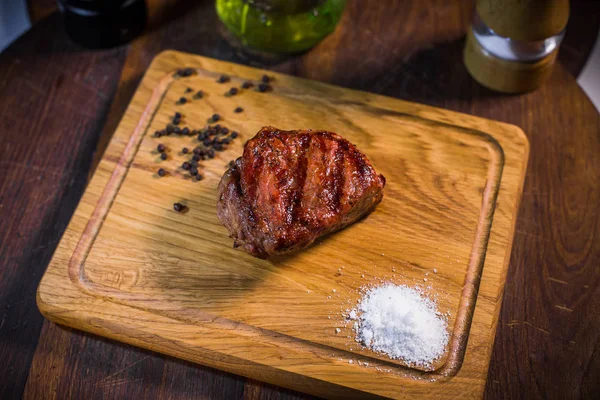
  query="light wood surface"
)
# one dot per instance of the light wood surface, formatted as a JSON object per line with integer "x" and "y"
{"x": 132, "y": 269}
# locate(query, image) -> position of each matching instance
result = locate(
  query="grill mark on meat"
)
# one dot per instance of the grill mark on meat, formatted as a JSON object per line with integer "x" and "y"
{"x": 302, "y": 170}
{"x": 326, "y": 193}
{"x": 338, "y": 178}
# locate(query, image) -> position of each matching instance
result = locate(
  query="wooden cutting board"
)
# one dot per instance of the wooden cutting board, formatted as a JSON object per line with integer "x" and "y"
{"x": 131, "y": 268}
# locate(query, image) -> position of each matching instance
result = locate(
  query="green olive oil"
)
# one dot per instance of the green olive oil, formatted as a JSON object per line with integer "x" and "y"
{"x": 280, "y": 26}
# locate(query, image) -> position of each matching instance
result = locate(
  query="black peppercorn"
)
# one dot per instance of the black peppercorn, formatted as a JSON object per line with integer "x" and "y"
{"x": 163, "y": 156}
{"x": 185, "y": 150}
{"x": 223, "y": 79}
{"x": 185, "y": 131}
{"x": 264, "y": 87}
{"x": 189, "y": 90}
{"x": 182, "y": 100}
{"x": 216, "y": 117}
{"x": 224, "y": 131}
{"x": 170, "y": 129}
{"x": 265, "y": 79}
{"x": 198, "y": 177}
{"x": 186, "y": 165}
{"x": 196, "y": 157}
{"x": 199, "y": 94}
{"x": 161, "y": 172}
{"x": 178, "y": 207}
{"x": 233, "y": 91}
{"x": 247, "y": 85}
{"x": 193, "y": 171}
{"x": 238, "y": 110}
{"x": 160, "y": 148}
{"x": 157, "y": 134}
{"x": 234, "y": 134}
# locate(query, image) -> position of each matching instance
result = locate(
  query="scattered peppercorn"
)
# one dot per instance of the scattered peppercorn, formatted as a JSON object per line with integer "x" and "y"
{"x": 207, "y": 141}
{"x": 170, "y": 129}
{"x": 189, "y": 90}
{"x": 199, "y": 94}
{"x": 194, "y": 164}
{"x": 184, "y": 72}
{"x": 234, "y": 134}
{"x": 226, "y": 141}
{"x": 186, "y": 165}
{"x": 182, "y": 100}
{"x": 196, "y": 157}
{"x": 177, "y": 115}
{"x": 223, "y": 79}
{"x": 224, "y": 131}
{"x": 185, "y": 150}
{"x": 178, "y": 207}
{"x": 233, "y": 91}
{"x": 198, "y": 177}
{"x": 157, "y": 134}
{"x": 177, "y": 130}
{"x": 193, "y": 171}
{"x": 266, "y": 79}
{"x": 185, "y": 131}
{"x": 161, "y": 172}
{"x": 211, "y": 153}
{"x": 264, "y": 87}
{"x": 160, "y": 148}
{"x": 163, "y": 156}
{"x": 247, "y": 85}
{"x": 216, "y": 117}
{"x": 238, "y": 110}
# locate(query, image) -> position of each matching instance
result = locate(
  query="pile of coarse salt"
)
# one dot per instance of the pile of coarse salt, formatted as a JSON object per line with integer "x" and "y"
{"x": 401, "y": 323}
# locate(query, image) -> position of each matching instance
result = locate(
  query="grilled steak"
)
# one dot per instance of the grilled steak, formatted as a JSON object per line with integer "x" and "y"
{"x": 290, "y": 187}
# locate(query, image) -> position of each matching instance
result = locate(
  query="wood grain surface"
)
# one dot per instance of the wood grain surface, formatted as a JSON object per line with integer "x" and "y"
{"x": 131, "y": 268}
{"x": 541, "y": 351}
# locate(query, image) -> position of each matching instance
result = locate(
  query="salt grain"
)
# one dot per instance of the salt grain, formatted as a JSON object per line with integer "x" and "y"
{"x": 399, "y": 322}
{"x": 337, "y": 330}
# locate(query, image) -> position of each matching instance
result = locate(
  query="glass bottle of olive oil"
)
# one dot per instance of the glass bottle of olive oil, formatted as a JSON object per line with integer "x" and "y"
{"x": 280, "y": 26}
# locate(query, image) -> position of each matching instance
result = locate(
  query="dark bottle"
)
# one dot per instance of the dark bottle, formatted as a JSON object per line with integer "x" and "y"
{"x": 103, "y": 23}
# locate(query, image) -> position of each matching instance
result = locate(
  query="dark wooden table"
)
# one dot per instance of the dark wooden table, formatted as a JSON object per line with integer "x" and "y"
{"x": 59, "y": 105}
